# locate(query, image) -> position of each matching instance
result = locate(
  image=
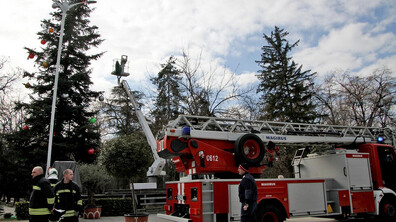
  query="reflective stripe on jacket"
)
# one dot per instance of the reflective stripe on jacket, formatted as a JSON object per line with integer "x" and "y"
{"x": 39, "y": 211}
{"x": 42, "y": 198}
{"x": 68, "y": 197}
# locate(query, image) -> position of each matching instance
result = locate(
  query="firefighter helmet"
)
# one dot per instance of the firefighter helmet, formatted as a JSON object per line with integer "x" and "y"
{"x": 52, "y": 174}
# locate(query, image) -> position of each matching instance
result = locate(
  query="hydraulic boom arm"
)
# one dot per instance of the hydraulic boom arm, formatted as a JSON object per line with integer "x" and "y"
{"x": 159, "y": 163}
{"x": 156, "y": 169}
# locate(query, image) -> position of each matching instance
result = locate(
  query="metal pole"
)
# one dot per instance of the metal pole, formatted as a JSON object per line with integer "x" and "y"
{"x": 51, "y": 133}
{"x": 64, "y": 7}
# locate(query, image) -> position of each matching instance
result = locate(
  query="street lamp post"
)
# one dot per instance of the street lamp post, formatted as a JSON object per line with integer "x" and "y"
{"x": 64, "y": 6}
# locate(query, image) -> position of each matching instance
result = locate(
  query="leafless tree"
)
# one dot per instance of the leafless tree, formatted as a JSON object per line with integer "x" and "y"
{"x": 248, "y": 108}
{"x": 10, "y": 119}
{"x": 359, "y": 100}
{"x": 207, "y": 92}
{"x": 6, "y": 79}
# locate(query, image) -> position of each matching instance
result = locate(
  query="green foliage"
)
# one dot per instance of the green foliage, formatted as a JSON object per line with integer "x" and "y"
{"x": 127, "y": 156}
{"x": 94, "y": 179}
{"x": 22, "y": 210}
{"x": 287, "y": 91}
{"x": 7, "y": 215}
{"x": 73, "y": 133}
{"x": 167, "y": 103}
{"x": 282, "y": 165}
{"x": 15, "y": 182}
{"x": 121, "y": 119}
{"x": 171, "y": 173}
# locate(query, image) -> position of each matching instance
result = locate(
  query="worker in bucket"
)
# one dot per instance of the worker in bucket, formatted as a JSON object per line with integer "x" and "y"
{"x": 247, "y": 194}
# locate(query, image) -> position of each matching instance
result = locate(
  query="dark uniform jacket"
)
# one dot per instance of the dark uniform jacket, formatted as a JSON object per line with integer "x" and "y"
{"x": 248, "y": 195}
{"x": 247, "y": 189}
{"x": 53, "y": 182}
{"x": 42, "y": 198}
{"x": 68, "y": 198}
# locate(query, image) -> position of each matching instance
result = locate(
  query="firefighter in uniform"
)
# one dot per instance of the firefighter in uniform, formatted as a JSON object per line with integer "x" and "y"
{"x": 247, "y": 194}
{"x": 68, "y": 197}
{"x": 53, "y": 177}
{"x": 42, "y": 198}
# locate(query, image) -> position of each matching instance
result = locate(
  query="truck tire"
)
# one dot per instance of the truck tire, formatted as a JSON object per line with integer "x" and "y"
{"x": 269, "y": 213}
{"x": 387, "y": 210}
{"x": 249, "y": 149}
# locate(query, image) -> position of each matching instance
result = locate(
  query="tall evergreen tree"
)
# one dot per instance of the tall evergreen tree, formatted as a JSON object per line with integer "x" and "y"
{"x": 120, "y": 120}
{"x": 287, "y": 90}
{"x": 167, "y": 102}
{"x": 75, "y": 131}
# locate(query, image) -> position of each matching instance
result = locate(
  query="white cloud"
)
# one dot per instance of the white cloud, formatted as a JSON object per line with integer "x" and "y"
{"x": 351, "y": 47}
{"x": 349, "y": 34}
{"x": 388, "y": 62}
{"x": 247, "y": 79}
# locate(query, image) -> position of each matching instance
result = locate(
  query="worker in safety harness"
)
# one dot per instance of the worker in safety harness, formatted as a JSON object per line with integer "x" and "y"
{"x": 42, "y": 198}
{"x": 68, "y": 197}
{"x": 247, "y": 194}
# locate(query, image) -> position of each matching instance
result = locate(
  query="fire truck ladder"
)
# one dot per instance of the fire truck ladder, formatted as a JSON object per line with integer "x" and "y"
{"x": 207, "y": 202}
{"x": 297, "y": 161}
{"x": 279, "y": 132}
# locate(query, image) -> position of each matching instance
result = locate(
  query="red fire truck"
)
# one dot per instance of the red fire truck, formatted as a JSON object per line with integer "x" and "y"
{"x": 355, "y": 178}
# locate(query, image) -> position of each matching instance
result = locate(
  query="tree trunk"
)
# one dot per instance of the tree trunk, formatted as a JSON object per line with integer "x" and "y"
{"x": 134, "y": 204}
{"x": 91, "y": 198}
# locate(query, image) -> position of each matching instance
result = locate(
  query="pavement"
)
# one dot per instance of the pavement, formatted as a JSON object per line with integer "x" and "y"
{"x": 152, "y": 217}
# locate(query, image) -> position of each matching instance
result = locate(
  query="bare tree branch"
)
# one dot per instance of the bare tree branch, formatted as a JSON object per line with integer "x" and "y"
{"x": 208, "y": 92}
{"x": 362, "y": 101}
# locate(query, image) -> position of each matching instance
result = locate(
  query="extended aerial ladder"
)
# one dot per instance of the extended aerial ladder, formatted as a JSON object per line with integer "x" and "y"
{"x": 156, "y": 169}
{"x": 205, "y": 145}
{"x": 280, "y": 132}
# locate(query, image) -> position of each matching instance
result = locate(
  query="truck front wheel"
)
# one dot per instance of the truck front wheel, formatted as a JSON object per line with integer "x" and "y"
{"x": 388, "y": 210}
{"x": 269, "y": 213}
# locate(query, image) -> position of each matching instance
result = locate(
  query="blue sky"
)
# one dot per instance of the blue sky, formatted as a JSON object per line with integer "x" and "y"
{"x": 355, "y": 35}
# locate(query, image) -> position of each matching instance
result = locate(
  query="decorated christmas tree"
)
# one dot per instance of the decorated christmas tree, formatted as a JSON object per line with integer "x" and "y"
{"x": 75, "y": 130}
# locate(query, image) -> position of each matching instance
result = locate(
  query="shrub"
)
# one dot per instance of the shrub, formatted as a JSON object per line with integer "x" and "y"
{"x": 7, "y": 215}
{"x": 94, "y": 179}
{"x": 22, "y": 210}
{"x": 115, "y": 206}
